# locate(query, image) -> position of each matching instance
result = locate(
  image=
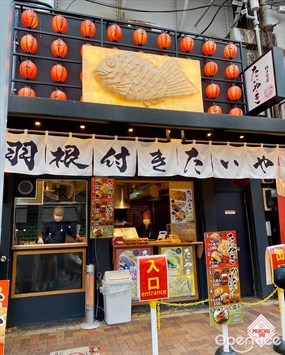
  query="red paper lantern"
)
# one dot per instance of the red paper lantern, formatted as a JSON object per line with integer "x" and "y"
{"x": 29, "y": 44}
{"x": 59, "y": 48}
{"x": 164, "y": 41}
{"x": 236, "y": 111}
{"x": 59, "y": 24}
{"x": 234, "y": 93}
{"x": 58, "y": 95}
{"x": 215, "y": 109}
{"x": 88, "y": 29}
{"x": 26, "y": 91}
{"x": 28, "y": 70}
{"x": 211, "y": 69}
{"x": 209, "y": 48}
{"x": 230, "y": 51}
{"x": 232, "y": 71}
{"x": 29, "y": 19}
{"x": 58, "y": 73}
{"x": 186, "y": 44}
{"x": 140, "y": 37}
{"x": 114, "y": 33}
{"x": 213, "y": 91}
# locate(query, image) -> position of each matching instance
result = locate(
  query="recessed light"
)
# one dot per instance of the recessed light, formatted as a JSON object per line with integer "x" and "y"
{"x": 130, "y": 130}
{"x": 82, "y": 126}
{"x": 209, "y": 134}
{"x": 241, "y": 137}
{"x": 37, "y": 123}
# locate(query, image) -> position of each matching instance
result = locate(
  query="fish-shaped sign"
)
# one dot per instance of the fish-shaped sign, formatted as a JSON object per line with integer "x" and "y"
{"x": 136, "y": 78}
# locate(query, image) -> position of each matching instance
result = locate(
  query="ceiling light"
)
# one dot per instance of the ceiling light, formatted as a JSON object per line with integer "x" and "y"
{"x": 37, "y": 123}
{"x": 130, "y": 130}
{"x": 241, "y": 137}
{"x": 82, "y": 126}
{"x": 209, "y": 134}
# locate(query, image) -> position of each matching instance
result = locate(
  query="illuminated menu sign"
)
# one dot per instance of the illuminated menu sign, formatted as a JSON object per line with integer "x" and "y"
{"x": 223, "y": 277}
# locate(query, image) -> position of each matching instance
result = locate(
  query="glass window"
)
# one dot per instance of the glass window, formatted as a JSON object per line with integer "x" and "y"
{"x": 48, "y": 272}
{"x": 56, "y": 214}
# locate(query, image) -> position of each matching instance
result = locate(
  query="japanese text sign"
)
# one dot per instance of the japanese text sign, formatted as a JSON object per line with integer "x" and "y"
{"x": 152, "y": 277}
{"x": 274, "y": 258}
{"x": 223, "y": 277}
{"x": 265, "y": 81}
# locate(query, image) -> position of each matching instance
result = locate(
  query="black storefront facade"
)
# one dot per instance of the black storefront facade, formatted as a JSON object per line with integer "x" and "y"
{"x": 212, "y": 196}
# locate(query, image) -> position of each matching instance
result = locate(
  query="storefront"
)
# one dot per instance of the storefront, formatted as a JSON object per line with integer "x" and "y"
{"x": 47, "y": 279}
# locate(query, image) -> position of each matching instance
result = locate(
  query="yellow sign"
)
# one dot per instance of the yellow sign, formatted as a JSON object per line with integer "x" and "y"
{"x": 116, "y": 77}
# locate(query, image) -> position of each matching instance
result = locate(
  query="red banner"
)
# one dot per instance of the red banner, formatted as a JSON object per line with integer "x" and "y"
{"x": 4, "y": 292}
{"x": 152, "y": 277}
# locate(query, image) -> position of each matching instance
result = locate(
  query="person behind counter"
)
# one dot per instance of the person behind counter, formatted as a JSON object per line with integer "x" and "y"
{"x": 147, "y": 229}
{"x": 59, "y": 230}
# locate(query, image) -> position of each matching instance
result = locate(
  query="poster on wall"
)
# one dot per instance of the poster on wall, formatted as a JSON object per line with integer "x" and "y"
{"x": 102, "y": 208}
{"x": 181, "y": 206}
{"x": 223, "y": 277}
{"x": 126, "y": 259}
{"x": 181, "y": 273}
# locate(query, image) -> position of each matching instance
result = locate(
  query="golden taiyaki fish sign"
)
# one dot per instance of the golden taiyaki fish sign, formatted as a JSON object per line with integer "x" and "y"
{"x": 116, "y": 77}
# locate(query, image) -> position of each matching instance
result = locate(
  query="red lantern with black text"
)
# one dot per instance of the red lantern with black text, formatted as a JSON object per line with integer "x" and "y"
{"x": 232, "y": 71}
{"x": 230, "y": 51}
{"x": 88, "y": 29}
{"x": 213, "y": 91}
{"x": 140, "y": 37}
{"x": 114, "y": 33}
{"x": 29, "y": 19}
{"x": 211, "y": 69}
{"x": 29, "y": 44}
{"x": 58, "y": 73}
{"x": 215, "y": 109}
{"x": 236, "y": 111}
{"x": 209, "y": 48}
{"x": 26, "y": 91}
{"x": 28, "y": 70}
{"x": 186, "y": 44}
{"x": 59, "y": 24}
{"x": 234, "y": 93}
{"x": 59, "y": 48}
{"x": 164, "y": 41}
{"x": 58, "y": 95}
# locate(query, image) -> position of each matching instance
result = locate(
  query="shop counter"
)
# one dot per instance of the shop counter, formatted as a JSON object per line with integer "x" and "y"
{"x": 181, "y": 259}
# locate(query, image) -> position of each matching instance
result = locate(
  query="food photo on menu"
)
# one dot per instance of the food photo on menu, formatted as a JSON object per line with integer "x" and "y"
{"x": 181, "y": 206}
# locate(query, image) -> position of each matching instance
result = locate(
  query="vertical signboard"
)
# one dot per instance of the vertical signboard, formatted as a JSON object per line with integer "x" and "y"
{"x": 181, "y": 206}
{"x": 102, "y": 208}
{"x": 152, "y": 278}
{"x": 223, "y": 277}
{"x": 4, "y": 292}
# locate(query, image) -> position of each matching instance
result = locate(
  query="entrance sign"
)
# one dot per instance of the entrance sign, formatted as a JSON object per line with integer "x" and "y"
{"x": 152, "y": 277}
{"x": 265, "y": 81}
{"x": 223, "y": 277}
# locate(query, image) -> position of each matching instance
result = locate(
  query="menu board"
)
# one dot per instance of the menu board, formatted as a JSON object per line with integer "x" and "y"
{"x": 102, "y": 208}
{"x": 181, "y": 206}
{"x": 126, "y": 259}
{"x": 181, "y": 273}
{"x": 223, "y": 277}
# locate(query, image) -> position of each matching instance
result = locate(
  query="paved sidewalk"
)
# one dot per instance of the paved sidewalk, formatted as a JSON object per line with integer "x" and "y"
{"x": 182, "y": 332}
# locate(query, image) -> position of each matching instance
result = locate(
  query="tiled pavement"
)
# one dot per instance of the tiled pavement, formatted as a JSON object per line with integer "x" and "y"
{"x": 182, "y": 332}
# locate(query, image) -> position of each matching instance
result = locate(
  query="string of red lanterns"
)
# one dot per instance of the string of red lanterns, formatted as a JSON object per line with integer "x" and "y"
{"x": 29, "y": 45}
